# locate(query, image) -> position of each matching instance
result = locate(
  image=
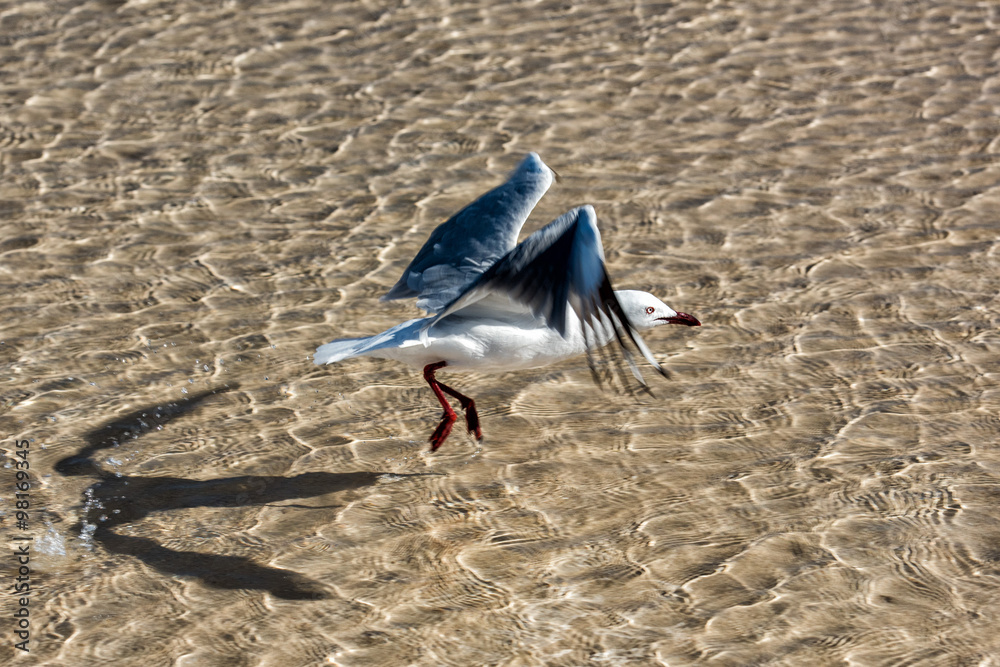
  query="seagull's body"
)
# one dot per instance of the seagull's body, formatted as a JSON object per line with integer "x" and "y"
{"x": 499, "y": 306}
{"x": 502, "y": 342}
{"x": 511, "y": 339}
{"x": 463, "y": 344}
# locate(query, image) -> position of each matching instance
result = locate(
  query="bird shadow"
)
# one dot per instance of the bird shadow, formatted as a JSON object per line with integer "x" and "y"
{"x": 116, "y": 500}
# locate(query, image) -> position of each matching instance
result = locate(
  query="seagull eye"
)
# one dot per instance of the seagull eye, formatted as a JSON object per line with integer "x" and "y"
{"x": 649, "y": 310}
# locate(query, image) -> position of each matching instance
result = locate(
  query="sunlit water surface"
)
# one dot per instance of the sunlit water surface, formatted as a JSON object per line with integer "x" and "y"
{"x": 195, "y": 195}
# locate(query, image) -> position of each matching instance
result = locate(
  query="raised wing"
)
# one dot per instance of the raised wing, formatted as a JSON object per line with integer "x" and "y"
{"x": 467, "y": 244}
{"x": 558, "y": 268}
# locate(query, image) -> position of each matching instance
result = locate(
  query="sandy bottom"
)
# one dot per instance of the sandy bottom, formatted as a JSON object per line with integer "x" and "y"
{"x": 194, "y": 195}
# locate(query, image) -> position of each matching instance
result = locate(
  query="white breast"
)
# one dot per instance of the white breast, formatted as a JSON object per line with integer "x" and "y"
{"x": 488, "y": 344}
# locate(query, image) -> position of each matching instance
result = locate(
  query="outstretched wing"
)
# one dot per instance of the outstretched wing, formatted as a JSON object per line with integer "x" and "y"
{"x": 467, "y": 244}
{"x": 558, "y": 268}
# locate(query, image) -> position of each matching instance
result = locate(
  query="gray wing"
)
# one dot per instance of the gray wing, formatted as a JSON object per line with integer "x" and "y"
{"x": 472, "y": 240}
{"x": 559, "y": 267}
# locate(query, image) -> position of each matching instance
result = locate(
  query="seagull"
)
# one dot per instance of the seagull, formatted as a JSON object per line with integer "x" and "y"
{"x": 498, "y": 305}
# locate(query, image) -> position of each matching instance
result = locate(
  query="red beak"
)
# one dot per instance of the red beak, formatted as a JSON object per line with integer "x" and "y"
{"x": 683, "y": 318}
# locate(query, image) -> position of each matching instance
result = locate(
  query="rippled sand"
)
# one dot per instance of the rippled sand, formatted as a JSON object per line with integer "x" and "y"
{"x": 195, "y": 195}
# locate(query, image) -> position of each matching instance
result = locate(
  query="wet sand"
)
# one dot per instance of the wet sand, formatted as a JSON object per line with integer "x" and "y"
{"x": 196, "y": 195}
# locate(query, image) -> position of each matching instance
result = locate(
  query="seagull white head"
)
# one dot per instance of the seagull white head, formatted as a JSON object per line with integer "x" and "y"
{"x": 645, "y": 311}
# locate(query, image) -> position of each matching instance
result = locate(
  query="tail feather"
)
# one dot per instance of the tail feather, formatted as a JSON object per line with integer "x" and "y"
{"x": 342, "y": 349}
{"x": 338, "y": 350}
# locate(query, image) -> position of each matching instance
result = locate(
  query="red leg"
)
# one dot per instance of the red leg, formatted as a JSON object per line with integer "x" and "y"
{"x": 469, "y": 405}
{"x": 444, "y": 428}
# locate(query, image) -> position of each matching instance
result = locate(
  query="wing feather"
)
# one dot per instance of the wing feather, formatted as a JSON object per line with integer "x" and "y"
{"x": 561, "y": 267}
{"x": 460, "y": 249}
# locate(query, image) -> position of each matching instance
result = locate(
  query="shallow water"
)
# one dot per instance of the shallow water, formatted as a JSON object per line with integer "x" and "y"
{"x": 195, "y": 195}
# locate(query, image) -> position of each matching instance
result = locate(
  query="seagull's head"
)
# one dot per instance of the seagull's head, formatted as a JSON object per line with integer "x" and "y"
{"x": 645, "y": 311}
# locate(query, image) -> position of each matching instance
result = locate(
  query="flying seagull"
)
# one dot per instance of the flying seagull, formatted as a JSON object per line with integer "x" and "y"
{"x": 496, "y": 305}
